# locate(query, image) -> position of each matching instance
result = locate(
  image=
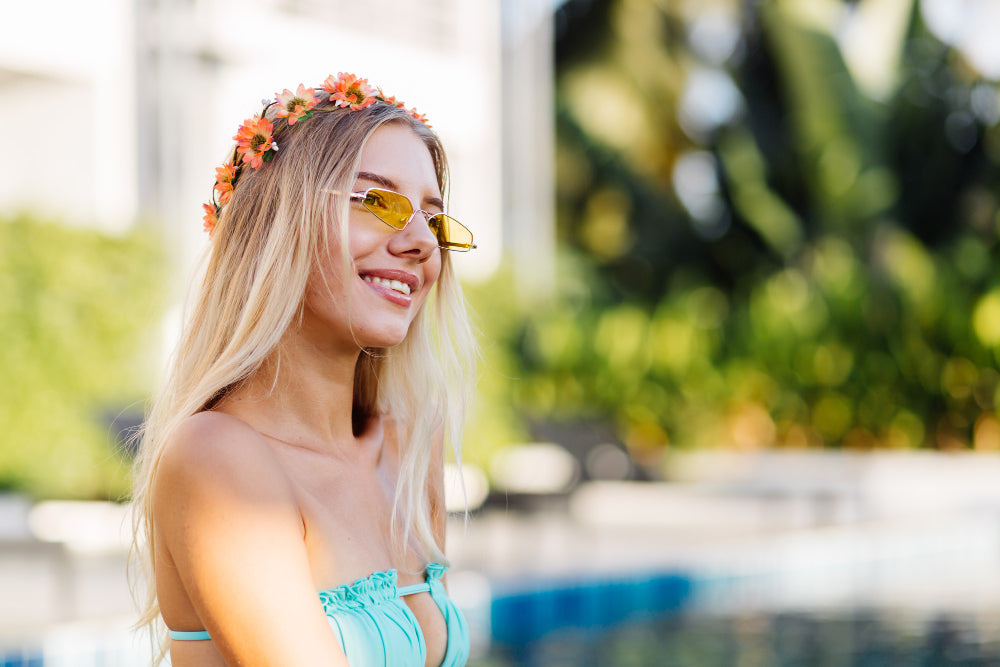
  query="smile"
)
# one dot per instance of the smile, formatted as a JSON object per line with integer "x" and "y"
{"x": 396, "y": 285}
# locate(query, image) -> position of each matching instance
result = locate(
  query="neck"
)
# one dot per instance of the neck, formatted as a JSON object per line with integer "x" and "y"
{"x": 302, "y": 395}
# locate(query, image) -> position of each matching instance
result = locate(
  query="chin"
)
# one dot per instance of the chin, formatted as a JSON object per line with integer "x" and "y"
{"x": 382, "y": 337}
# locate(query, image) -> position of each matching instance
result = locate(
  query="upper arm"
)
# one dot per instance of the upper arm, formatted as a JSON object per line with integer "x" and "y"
{"x": 227, "y": 516}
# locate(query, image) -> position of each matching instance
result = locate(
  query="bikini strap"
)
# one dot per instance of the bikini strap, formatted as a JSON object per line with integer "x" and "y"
{"x": 189, "y": 635}
{"x": 434, "y": 572}
{"x": 415, "y": 588}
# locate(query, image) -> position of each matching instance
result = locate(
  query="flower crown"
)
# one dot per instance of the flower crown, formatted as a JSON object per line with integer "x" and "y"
{"x": 255, "y": 143}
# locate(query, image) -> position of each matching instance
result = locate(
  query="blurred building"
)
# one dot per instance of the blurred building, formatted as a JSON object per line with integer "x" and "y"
{"x": 140, "y": 99}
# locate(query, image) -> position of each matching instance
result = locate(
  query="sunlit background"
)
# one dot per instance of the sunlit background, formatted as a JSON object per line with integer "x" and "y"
{"x": 737, "y": 285}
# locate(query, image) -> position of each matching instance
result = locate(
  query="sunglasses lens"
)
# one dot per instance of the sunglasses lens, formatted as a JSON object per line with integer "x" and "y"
{"x": 392, "y": 208}
{"x": 396, "y": 210}
{"x": 451, "y": 234}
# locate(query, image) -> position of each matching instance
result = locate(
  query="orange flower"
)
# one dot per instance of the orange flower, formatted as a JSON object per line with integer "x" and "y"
{"x": 419, "y": 116}
{"x": 348, "y": 90}
{"x": 255, "y": 141}
{"x": 391, "y": 100}
{"x": 211, "y": 217}
{"x": 224, "y": 176}
{"x": 296, "y": 106}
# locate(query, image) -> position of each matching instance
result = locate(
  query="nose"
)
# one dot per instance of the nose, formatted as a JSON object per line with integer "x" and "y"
{"x": 415, "y": 239}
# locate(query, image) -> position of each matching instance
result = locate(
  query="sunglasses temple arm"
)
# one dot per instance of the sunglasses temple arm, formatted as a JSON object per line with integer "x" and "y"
{"x": 353, "y": 195}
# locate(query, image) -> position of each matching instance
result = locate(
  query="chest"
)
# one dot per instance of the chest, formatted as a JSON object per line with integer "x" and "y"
{"x": 346, "y": 510}
{"x": 347, "y": 514}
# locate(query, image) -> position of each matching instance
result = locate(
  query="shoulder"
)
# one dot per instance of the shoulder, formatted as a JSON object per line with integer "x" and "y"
{"x": 230, "y": 546}
{"x": 216, "y": 458}
{"x": 211, "y": 438}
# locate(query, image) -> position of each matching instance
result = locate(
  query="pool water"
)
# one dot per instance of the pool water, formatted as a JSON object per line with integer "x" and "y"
{"x": 859, "y": 638}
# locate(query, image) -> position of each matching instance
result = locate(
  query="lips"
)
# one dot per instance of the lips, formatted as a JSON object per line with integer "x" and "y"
{"x": 397, "y": 285}
{"x": 391, "y": 282}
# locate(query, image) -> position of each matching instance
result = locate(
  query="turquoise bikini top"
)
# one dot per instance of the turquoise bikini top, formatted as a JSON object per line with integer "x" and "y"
{"x": 376, "y": 628}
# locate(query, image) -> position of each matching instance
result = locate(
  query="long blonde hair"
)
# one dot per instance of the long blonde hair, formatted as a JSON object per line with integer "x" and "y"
{"x": 268, "y": 238}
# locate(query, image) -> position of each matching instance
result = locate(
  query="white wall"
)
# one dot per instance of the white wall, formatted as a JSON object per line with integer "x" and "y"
{"x": 120, "y": 110}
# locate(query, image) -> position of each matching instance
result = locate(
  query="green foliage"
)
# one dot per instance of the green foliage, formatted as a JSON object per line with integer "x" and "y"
{"x": 76, "y": 310}
{"x": 839, "y": 287}
{"x": 494, "y": 421}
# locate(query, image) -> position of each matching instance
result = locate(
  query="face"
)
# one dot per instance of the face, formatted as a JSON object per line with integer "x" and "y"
{"x": 393, "y": 270}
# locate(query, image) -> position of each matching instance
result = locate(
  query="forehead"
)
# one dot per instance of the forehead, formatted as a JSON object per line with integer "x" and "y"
{"x": 397, "y": 153}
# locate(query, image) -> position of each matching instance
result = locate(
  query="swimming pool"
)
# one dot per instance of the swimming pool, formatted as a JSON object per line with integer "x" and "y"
{"x": 855, "y": 638}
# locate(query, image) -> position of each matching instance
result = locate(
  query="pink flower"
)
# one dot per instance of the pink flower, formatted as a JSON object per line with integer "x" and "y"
{"x": 348, "y": 90}
{"x": 296, "y": 106}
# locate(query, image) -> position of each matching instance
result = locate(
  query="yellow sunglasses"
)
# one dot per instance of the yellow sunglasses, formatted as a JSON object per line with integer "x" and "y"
{"x": 396, "y": 210}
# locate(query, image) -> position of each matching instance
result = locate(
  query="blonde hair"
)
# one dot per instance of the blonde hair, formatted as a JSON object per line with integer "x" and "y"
{"x": 268, "y": 239}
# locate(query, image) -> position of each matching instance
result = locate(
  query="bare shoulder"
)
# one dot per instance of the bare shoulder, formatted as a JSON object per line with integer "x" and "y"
{"x": 213, "y": 435}
{"x": 213, "y": 456}
{"x": 230, "y": 534}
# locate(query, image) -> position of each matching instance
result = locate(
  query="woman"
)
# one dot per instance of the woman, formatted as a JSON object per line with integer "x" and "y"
{"x": 297, "y": 446}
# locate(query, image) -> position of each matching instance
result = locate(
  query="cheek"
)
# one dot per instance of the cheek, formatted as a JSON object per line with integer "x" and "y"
{"x": 335, "y": 267}
{"x": 363, "y": 237}
{"x": 330, "y": 278}
{"x": 436, "y": 266}
{"x": 433, "y": 270}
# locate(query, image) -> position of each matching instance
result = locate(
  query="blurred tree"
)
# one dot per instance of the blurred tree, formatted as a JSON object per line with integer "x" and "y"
{"x": 76, "y": 309}
{"x": 761, "y": 252}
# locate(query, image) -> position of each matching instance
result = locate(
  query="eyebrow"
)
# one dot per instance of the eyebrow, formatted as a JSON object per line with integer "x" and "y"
{"x": 391, "y": 185}
{"x": 377, "y": 178}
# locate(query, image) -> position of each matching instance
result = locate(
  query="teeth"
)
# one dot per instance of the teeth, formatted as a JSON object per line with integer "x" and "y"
{"x": 396, "y": 285}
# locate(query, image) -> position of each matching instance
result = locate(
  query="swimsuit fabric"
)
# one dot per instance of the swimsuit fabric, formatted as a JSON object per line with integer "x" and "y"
{"x": 376, "y": 628}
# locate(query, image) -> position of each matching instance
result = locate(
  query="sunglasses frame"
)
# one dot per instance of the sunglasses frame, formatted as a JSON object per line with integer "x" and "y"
{"x": 428, "y": 216}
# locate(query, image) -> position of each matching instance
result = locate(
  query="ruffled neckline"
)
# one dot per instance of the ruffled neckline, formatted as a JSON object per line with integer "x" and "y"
{"x": 374, "y": 589}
